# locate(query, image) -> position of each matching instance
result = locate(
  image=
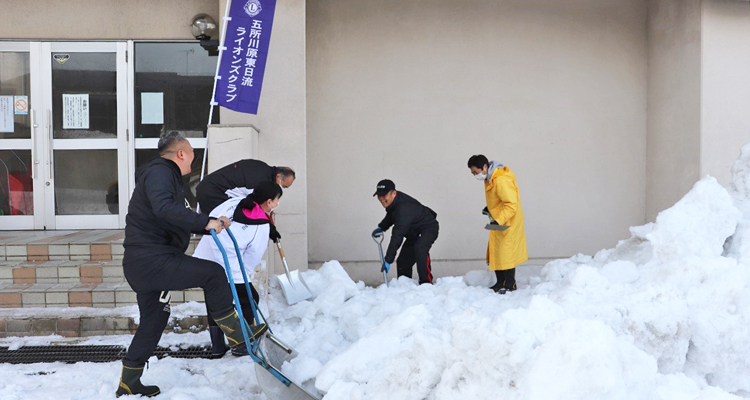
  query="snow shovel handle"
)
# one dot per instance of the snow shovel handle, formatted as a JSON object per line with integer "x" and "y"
{"x": 379, "y": 240}
{"x": 228, "y": 269}
{"x": 286, "y": 266}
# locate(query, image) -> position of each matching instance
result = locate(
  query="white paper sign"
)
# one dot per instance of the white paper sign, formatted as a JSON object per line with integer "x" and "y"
{"x": 152, "y": 108}
{"x": 75, "y": 111}
{"x": 6, "y": 114}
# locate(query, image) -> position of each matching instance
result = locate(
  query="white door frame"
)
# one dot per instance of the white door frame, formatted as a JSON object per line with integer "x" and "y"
{"x": 28, "y": 221}
{"x": 49, "y": 144}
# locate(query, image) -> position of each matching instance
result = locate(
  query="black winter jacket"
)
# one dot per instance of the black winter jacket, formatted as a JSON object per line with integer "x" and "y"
{"x": 244, "y": 173}
{"x": 158, "y": 220}
{"x": 408, "y": 218}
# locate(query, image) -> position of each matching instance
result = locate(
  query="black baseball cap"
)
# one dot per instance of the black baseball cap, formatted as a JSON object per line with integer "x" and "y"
{"x": 384, "y": 186}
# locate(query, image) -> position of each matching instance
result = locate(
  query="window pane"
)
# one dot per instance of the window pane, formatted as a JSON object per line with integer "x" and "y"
{"x": 143, "y": 156}
{"x": 92, "y": 192}
{"x": 184, "y": 74}
{"x": 15, "y": 81}
{"x": 16, "y": 186}
{"x": 90, "y": 78}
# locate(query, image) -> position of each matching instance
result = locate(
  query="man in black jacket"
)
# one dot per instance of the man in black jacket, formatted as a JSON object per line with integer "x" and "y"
{"x": 241, "y": 174}
{"x": 212, "y": 191}
{"x": 157, "y": 233}
{"x": 410, "y": 220}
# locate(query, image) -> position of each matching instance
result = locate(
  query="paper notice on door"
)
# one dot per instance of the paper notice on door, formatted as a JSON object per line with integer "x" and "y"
{"x": 6, "y": 114}
{"x": 152, "y": 108}
{"x": 75, "y": 111}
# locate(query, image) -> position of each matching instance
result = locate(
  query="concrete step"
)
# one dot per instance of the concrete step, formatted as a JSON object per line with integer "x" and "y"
{"x": 97, "y": 295}
{"x": 89, "y": 245}
{"x": 52, "y": 272}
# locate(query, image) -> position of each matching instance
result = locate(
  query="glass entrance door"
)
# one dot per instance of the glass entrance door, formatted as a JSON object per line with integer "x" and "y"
{"x": 84, "y": 157}
{"x": 18, "y": 173}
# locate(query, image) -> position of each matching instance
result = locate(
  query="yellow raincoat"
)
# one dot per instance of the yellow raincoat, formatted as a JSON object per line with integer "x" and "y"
{"x": 507, "y": 248}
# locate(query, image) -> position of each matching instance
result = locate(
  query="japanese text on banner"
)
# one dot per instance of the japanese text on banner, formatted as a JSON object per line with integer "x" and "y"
{"x": 243, "y": 62}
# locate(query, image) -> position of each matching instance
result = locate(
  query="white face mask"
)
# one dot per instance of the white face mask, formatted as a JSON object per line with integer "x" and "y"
{"x": 480, "y": 177}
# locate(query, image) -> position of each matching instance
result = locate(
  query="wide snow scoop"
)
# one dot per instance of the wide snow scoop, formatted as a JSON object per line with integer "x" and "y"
{"x": 292, "y": 285}
{"x": 493, "y": 225}
{"x": 268, "y": 358}
{"x": 379, "y": 240}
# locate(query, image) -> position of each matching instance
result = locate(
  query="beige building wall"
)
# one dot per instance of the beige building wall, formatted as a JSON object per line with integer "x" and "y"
{"x": 102, "y": 19}
{"x": 409, "y": 90}
{"x": 725, "y": 81}
{"x": 674, "y": 101}
{"x": 608, "y": 111}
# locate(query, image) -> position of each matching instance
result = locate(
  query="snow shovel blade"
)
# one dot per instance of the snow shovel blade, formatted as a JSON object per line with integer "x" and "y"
{"x": 496, "y": 227}
{"x": 291, "y": 283}
{"x": 277, "y": 354}
{"x": 298, "y": 292}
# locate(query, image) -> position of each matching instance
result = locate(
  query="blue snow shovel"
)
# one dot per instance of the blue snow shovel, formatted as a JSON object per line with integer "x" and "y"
{"x": 267, "y": 368}
{"x": 379, "y": 240}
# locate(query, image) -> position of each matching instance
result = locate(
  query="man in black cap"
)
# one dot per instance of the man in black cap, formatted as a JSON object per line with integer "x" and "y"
{"x": 412, "y": 221}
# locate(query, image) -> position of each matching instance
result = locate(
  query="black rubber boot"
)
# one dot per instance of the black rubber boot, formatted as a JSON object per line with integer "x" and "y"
{"x": 230, "y": 324}
{"x": 500, "y": 282}
{"x": 218, "y": 345}
{"x": 130, "y": 383}
{"x": 240, "y": 351}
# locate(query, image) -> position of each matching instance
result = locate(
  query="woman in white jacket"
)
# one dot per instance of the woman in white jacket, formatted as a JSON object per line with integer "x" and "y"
{"x": 252, "y": 228}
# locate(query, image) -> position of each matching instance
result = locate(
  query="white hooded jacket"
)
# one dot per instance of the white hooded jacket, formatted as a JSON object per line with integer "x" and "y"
{"x": 251, "y": 234}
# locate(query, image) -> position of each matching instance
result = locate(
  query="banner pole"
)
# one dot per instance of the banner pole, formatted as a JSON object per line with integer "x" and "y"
{"x": 213, "y": 104}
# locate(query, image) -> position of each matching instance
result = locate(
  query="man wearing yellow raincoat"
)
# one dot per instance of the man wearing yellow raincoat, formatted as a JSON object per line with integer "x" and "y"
{"x": 507, "y": 245}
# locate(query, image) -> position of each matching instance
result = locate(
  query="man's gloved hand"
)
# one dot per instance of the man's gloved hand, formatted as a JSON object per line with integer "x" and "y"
{"x": 218, "y": 224}
{"x": 377, "y": 232}
{"x": 273, "y": 234}
{"x": 485, "y": 211}
{"x": 386, "y": 266}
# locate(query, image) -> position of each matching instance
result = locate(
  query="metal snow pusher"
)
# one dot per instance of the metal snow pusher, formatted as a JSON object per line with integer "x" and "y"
{"x": 268, "y": 352}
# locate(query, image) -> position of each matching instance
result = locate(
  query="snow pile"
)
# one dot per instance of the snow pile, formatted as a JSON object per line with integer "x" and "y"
{"x": 661, "y": 316}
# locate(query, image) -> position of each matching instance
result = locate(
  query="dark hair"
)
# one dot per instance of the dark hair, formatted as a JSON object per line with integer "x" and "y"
{"x": 478, "y": 161}
{"x": 286, "y": 172}
{"x": 169, "y": 140}
{"x": 262, "y": 192}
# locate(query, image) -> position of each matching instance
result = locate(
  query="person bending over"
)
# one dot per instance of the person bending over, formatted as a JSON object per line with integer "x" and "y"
{"x": 157, "y": 233}
{"x": 252, "y": 229}
{"x": 411, "y": 221}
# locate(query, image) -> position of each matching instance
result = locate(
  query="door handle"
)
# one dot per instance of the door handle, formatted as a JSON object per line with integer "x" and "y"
{"x": 34, "y": 160}
{"x": 49, "y": 142}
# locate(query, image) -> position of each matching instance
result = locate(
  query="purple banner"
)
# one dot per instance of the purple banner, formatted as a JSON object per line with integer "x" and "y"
{"x": 243, "y": 62}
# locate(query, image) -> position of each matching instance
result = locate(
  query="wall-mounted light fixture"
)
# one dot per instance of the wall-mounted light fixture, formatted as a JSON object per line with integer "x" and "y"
{"x": 203, "y": 27}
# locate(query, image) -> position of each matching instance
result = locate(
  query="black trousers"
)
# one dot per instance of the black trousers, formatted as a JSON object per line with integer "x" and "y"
{"x": 150, "y": 276}
{"x": 416, "y": 249}
{"x": 247, "y": 308}
{"x": 506, "y": 278}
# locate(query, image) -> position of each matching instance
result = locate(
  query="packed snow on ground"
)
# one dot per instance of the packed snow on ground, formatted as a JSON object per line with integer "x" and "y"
{"x": 663, "y": 315}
